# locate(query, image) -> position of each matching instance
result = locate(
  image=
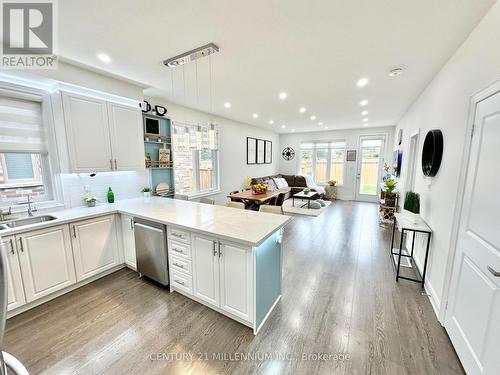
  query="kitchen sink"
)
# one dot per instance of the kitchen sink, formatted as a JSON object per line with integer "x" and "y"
{"x": 26, "y": 221}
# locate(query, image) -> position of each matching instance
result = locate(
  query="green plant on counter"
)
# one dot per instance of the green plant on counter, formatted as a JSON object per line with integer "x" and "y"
{"x": 146, "y": 189}
{"x": 147, "y": 155}
{"x": 390, "y": 187}
{"x": 88, "y": 199}
{"x": 412, "y": 202}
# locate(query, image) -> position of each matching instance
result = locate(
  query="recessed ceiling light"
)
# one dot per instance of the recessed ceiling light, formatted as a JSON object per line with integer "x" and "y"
{"x": 395, "y": 72}
{"x": 293, "y": 130}
{"x": 364, "y": 113}
{"x": 365, "y": 125}
{"x": 313, "y": 117}
{"x": 104, "y": 58}
{"x": 326, "y": 127}
{"x": 363, "y": 102}
{"x": 255, "y": 115}
{"x": 320, "y": 123}
{"x": 227, "y": 104}
{"x": 365, "y": 120}
{"x": 362, "y": 82}
{"x": 283, "y": 95}
{"x": 302, "y": 109}
{"x": 283, "y": 126}
{"x": 271, "y": 122}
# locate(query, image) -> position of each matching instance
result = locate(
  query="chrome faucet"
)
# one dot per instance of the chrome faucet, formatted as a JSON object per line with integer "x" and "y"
{"x": 29, "y": 202}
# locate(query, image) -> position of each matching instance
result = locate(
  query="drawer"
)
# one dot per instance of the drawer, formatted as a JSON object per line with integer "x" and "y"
{"x": 181, "y": 265}
{"x": 179, "y": 235}
{"x": 180, "y": 249}
{"x": 182, "y": 281}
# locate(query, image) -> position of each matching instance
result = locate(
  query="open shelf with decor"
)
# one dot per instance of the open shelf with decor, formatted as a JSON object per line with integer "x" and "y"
{"x": 158, "y": 154}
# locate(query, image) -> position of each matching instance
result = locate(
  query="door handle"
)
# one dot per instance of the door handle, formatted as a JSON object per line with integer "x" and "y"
{"x": 21, "y": 244}
{"x": 220, "y": 250}
{"x": 493, "y": 272}
{"x": 111, "y": 164}
{"x": 215, "y": 250}
{"x": 116, "y": 165}
{"x": 74, "y": 231}
{"x": 12, "y": 246}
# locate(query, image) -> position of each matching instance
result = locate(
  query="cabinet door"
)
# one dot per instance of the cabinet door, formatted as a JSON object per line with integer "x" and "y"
{"x": 15, "y": 290}
{"x": 87, "y": 133}
{"x": 236, "y": 280}
{"x": 46, "y": 261}
{"x": 206, "y": 269}
{"x": 128, "y": 241}
{"x": 126, "y": 137}
{"x": 95, "y": 246}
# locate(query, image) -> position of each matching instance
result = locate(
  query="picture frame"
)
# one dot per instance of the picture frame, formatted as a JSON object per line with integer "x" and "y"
{"x": 268, "y": 152}
{"x": 251, "y": 150}
{"x": 351, "y": 155}
{"x": 261, "y": 149}
{"x": 151, "y": 125}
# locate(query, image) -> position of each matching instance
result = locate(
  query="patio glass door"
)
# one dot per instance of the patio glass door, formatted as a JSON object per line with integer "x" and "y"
{"x": 370, "y": 161}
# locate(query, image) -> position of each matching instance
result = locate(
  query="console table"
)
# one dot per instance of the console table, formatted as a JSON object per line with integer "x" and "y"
{"x": 405, "y": 225}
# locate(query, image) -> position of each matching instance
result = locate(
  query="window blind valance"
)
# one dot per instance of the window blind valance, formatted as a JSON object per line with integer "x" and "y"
{"x": 21, "y": 128}
{"x": 194, "y": 136}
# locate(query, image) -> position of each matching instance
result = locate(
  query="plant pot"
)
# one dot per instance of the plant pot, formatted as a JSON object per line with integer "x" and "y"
{"x": 410, "y": 216}
{"x": 91, "y": 204}
{"x": 390, "y": 201}
{"x": 147, "y": 194}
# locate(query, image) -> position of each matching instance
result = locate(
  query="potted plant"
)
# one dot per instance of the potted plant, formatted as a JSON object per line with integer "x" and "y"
{"x": 146, "y": 191}
{"x": 390, "y": 192}
{"x": 412, "y": 206}
{"x": 89, "y": 200}
{"x": 332, "y": 182}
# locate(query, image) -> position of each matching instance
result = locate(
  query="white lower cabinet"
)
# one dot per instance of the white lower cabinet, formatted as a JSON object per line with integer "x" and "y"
{"x": 46, "y": 261}
{"x": 95, "y": 246}
{"x": 15, "y": 290}
{"x": 127, "y": 223}
{"x": 206, "y": 269}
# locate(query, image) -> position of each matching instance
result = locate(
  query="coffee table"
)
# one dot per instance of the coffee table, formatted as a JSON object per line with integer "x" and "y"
{"x": 312, "y": 195}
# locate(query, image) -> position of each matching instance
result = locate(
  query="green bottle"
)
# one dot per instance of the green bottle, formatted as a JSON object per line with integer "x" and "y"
{"x": 111, "y": 196}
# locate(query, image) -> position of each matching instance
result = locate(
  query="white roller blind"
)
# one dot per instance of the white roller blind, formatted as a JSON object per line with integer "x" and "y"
{"x": 21, "y": 127}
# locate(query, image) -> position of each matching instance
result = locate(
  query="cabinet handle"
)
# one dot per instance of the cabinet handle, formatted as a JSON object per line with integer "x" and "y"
{"x": 111, "y": 164}
{"x": 132, "y": 224}
{"x": 220, "y": 250}
{"x": 179, "y": 282}
{"x": 179, "y": 265}
{"x": 177, "y": 250}
{"x": 116, "y": 165}
{"x": 74, "y": 231}
{"x": 12, "y": 246}
{"x": 215, "y": 251}
{"x": 493, "y": 272}
{"x": 21, "y": 244}
{"x": 177, "y": 235}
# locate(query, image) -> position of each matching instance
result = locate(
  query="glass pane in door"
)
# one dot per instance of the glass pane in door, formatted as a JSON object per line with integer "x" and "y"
{"x": 370, "y": 166}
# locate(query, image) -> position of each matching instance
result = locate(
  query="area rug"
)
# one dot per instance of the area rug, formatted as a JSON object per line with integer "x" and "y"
{"x": 288, "y": 209}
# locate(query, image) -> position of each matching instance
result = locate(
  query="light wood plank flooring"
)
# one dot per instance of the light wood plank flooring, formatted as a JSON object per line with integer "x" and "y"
{"x": 340, "y": 297}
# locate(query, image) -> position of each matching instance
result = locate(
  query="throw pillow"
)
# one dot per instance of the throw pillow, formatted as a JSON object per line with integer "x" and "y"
{"x": 315, "y": 205}
{"x": 321, "y": 202}
{"x": 270, "y": 184}
{"x": 284, "y": 184}
{"x": 278, "y": 183}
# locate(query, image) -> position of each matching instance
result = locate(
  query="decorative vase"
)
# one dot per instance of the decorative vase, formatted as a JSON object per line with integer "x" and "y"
{"x": 410, "y": 216}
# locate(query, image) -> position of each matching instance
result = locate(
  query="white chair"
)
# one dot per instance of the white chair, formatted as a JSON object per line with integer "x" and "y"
{"x": 181, "y": 197}
{"x": 239, "y": 205}
{"x": 271, "y": 209}
{"x": 207, "y": 200}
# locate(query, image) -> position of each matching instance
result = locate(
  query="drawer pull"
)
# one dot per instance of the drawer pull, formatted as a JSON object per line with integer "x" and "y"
{"x": 493, "y": 272}
{"x": 179, "y": 265}
{"x": 177, "y": 250}
{"x": 178, "y": 235}
{"x": 180, "y": 282}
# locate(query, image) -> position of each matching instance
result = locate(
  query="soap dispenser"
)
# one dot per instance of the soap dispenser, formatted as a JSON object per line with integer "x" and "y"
{"x": 111, "y": 196}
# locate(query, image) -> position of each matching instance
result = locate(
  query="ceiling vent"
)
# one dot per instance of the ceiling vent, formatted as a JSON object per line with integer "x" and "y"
{"x": 192, "y": 55}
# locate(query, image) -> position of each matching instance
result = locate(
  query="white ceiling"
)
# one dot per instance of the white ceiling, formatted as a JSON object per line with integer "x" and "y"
{"x": 313, "y": 50}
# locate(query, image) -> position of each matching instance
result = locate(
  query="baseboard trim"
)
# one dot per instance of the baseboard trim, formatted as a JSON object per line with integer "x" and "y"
{"x": 435, "y": 302}
{"x": 257, "y": 329}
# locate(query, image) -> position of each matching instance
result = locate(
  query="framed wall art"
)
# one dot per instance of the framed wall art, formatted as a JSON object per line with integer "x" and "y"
{"x": 251, "y": 150}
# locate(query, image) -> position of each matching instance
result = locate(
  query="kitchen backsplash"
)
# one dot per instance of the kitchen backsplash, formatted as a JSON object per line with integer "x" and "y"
{"x": 124, "y": 184}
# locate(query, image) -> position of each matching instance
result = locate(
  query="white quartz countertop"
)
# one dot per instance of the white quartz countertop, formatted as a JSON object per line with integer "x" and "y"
{"x": 244, "y": 226}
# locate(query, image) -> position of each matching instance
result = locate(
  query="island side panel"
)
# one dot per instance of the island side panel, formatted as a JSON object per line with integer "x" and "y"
{"x": 268, "y": 273}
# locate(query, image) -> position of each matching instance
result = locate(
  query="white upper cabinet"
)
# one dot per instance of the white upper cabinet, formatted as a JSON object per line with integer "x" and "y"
{"x": 101, "y": 135}
{"x": 15, "y": 290}
{"x": 46, "y": 261}
{"x": 95, "y": 246}
{"x": 87, "y": 133}
{"x": 127, "y": 142}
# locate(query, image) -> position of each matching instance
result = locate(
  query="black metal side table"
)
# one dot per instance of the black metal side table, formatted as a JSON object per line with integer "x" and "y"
{"x": 405, "y": 225}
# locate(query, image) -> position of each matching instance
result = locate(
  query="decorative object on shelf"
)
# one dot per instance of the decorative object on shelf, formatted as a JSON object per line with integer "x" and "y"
{"x": 160, "y": 110}
{"x": 432, "y": 152}
{"x": 164, "y": 157}
{"x": 151, "y": 126}
{"x": 89, "y": 200}
{"x": 412, "y": 206}
{"x": 351, "y": 155}
{"x": 251, "y": 150}
{"x": 147, "y": 156}
{"x": 390, "y": 193}
{"x": 146, "y": 191}
{"x": 268, "y": 152}
{"x": 145, "y": 106}
{"x": 259, "y": 188}
{"x": 163, "y": 188}
{"x": 110, "y": 195}
{"x": 288, "y": 153}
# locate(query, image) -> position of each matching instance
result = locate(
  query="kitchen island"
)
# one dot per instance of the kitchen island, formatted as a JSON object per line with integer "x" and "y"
{"x": 227, "y": 259}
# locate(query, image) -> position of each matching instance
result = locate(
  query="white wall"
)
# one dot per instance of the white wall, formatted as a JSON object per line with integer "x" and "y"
{"x": 232, "y": 146}
{"x": 350, "y": 136}
{"x": 444, "y": 105}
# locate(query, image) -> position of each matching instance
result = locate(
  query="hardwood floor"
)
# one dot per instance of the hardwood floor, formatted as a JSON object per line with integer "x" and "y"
{"x": 339, "y": 297}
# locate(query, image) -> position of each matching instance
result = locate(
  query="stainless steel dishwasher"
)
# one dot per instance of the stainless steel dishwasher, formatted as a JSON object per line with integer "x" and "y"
{"x": 151, "y": 250}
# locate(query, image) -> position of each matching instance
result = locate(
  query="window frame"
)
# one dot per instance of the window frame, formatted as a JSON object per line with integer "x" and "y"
{"x": 319, "y": 145}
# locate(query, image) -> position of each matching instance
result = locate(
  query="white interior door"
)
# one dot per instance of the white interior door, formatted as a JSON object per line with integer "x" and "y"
{"x": 370, "y": 162}
{"x": 473, "y": 315}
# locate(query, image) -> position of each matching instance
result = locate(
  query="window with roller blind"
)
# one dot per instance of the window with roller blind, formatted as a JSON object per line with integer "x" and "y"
{"x": 23, "y": 150}
{"x": 323, "y": 161}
